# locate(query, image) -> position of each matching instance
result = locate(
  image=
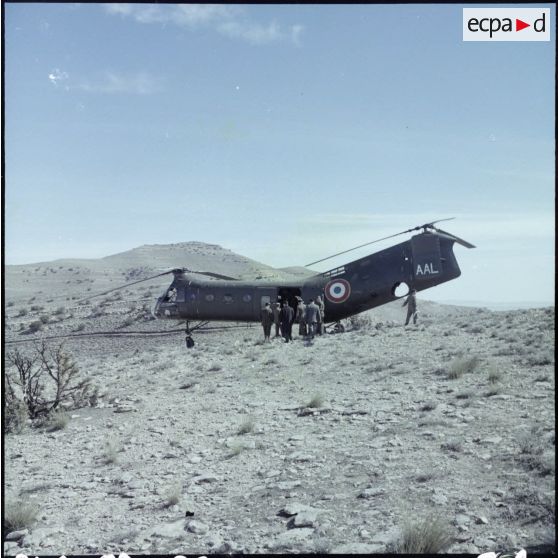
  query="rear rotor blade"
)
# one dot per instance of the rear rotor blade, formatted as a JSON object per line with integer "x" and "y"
{"x": 211, "y": 274}
{"x": 455, "y": 238}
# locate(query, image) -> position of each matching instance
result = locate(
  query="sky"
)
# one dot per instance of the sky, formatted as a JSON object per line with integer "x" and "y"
{"x": 282, "y": 132}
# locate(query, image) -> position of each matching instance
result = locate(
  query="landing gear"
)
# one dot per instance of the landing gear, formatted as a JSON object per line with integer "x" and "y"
{"x": 338, "y": 328}
{"x": 189, "y": 340}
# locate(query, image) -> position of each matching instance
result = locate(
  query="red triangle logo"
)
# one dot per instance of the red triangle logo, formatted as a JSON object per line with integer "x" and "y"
{"x": 519, "y": 25}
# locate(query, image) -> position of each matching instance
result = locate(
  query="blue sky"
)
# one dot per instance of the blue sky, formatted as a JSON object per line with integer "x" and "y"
{"x": 282, "y": 132}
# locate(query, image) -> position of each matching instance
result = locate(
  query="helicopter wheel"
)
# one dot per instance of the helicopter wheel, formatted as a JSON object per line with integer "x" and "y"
{"x": 189, "y": 341}
{"x": 338, "y": 328}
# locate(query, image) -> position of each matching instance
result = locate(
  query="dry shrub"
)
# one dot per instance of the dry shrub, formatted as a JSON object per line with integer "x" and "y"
{"x": 43, "y": 381}
{"x": 427, "y": 536}
{"x": 316, "y": 402}
{"x": 462, "y": 366}
{"x": 18, "y": 515}
{"x": 247, "y": 426}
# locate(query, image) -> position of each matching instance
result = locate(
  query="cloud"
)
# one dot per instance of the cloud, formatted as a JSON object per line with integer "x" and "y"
{"x": 57, "y": 76}
{"x": 224, "y": 19}
{"x": 140, "y": 83}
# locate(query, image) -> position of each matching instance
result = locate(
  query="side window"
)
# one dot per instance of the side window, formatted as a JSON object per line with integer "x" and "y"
{"x": 264, "y": 300}
{"x": 228, "y": 299}
{"x": 209, "y": 297}
{"x": 246, "y": 298}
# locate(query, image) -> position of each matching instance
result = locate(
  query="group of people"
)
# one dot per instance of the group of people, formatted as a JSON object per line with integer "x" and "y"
{"x": 310, "y": 318}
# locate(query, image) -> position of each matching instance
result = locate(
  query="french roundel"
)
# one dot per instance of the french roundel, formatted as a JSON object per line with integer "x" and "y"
{"x": 338, "y": 290}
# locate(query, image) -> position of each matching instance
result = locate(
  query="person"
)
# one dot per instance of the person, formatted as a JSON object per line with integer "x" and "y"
{"x": 312, "y": 313}
{"x": 321, "y": 314}
{"x": 267, "y": 320}
{"x": 411, "y": 304}
{"x": 276, "y": 309}
{"x": 301, "y": 317}
{"x": 171, "y": 295}
{"x": 287, "y": 318}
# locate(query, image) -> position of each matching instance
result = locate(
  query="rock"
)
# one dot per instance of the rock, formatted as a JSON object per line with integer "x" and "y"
{"x": 292, "y": 537}
{"x": 195, "y": 459}
{"x": 295, "y": 508}
{"x": 17, "y": 535}
{"x": 481, "y": 519}
{"x": 439, "y": 499}
{"x": 462, "y": 519}
{"x": 287, "y": 485}
{"x": 358, "y": 548}
{"x": 173, "y": 530}
{"x": 389, "y": 538}
{"x": 300, "y": 456}
{"x": 9, "y": 547}
{"x": 213, "y": 541}
{"x": 197, "y": 527}
{"x": 305, "y": 518}
{"x": 371, "y": 493}
{"x": 199, "y": 479}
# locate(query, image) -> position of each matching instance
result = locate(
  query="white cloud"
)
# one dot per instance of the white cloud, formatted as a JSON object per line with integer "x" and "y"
{"x": 57, "y": 76}
{"x": 224, "y": 19}
{"x": 140, "y": 83}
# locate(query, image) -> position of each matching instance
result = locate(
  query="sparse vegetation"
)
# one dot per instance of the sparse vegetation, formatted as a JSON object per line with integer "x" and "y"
{"x": 429, "y": 406}
{"x": 494, "y": 375}
{"x": 43, "y": 381}
{"x": 44, "y": 319}
{"x": 35, "y": 326}
{"x": 22, "y": 312}
{"x": 452, "y": 445}
{"x": 316, "y": 402}
{"x": 19, "y": 515}
{"x": 57, "y": 421}
{"x": 235, "y": 449}
{"x": 427, "y": 536}
{"x": 173, "y": 495}
{"x": 110, "y": 452}
{"x": 80, "y": 327}
{"x": 246, "y": 426}
{"x": 215, "y": 368}
{"x": 462, "y": 366}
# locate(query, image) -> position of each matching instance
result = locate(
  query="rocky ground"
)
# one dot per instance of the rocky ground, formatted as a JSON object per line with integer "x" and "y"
{"x": 333, "y": 445}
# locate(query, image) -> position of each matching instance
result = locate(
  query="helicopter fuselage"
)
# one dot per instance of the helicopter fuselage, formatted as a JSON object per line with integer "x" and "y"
{"x": 423, "y": 261}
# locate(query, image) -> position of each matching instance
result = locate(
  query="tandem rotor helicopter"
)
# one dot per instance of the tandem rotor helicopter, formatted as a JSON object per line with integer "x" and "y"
{"x": 422, "y": 262}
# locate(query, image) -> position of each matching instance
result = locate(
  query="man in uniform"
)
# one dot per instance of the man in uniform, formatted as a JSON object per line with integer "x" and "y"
{"x": 267, "y": 320}
{"x": 321, "y": 306}
{"x": 312, "y": 314}
{"x": 411, "y": 304}
{"x": 301, "y": 317}
{"x": 287, "y": 319}
{"x": 276, "y": 309}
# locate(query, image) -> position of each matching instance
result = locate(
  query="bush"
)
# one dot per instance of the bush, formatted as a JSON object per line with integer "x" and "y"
{"x": 316, "y": 401}
{"x": 427, "y": 536}
{"x": 43, "y": 381}
{"x": 462, "y": 366}
{"x": 44, "y": 319}
{"x": 246, "y": 427}
{"x": 22, "y": 312}
{"x": 18, "y": 515}
{"x": 35, "y": 326}
{"x": 359, "y": 322}
{"x": 494, "y": 375}
{"x": 57, "y": 421}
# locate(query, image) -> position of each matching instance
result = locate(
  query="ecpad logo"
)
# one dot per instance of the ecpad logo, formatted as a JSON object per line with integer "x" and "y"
{"x": 506, "y": 24}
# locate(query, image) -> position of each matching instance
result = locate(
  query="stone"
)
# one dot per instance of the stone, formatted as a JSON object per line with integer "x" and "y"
{"x": 17, "y": 535}
{"x": 371, "y": 493}
{"x": 481, "y": 519}
{"x": 292, "y": 537}
{"x": 294, "y": 508}
{"x": 287, "y": 485}
{"x": 197, "y": 527}
{"x": 439, "y": 499}
{"x": 492, "y": 440}
{"x": 305, "y": 518}
{"x": 462, "y": 519}
{"x": 199, "y": 479}
{"x": 173, "y": 530}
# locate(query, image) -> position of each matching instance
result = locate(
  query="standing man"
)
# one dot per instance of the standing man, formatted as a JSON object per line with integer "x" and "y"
{"x": 267, "y": 320}
{"x": 321, "y": 314}
{"x": 301, "y": 317}
{"x": 312, "y": 313}
{"x": 411, "y": 304}
{"x": 276, "y": 309}
{"x": 287, "y": 318}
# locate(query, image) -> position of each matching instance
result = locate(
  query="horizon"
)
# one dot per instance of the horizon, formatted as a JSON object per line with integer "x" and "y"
{"x": 282, "y": 132}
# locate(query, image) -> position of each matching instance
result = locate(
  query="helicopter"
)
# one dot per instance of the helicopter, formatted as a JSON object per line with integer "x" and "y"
{"x": 422, "y": 262}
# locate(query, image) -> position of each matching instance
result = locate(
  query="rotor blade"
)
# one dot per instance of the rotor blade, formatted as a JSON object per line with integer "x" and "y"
{"x": 211, "y": 274}
{"x": 126, "y": 285}
{"x": 455, "y": 238}
{"x": 356, "y": 247}
{"x": 418, "y": 228}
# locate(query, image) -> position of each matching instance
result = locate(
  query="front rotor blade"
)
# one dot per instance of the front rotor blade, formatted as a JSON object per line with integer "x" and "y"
{"x": 211, "y": 274}
{"x": 126, "y": 285}
{"x": 455, "y": 238}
